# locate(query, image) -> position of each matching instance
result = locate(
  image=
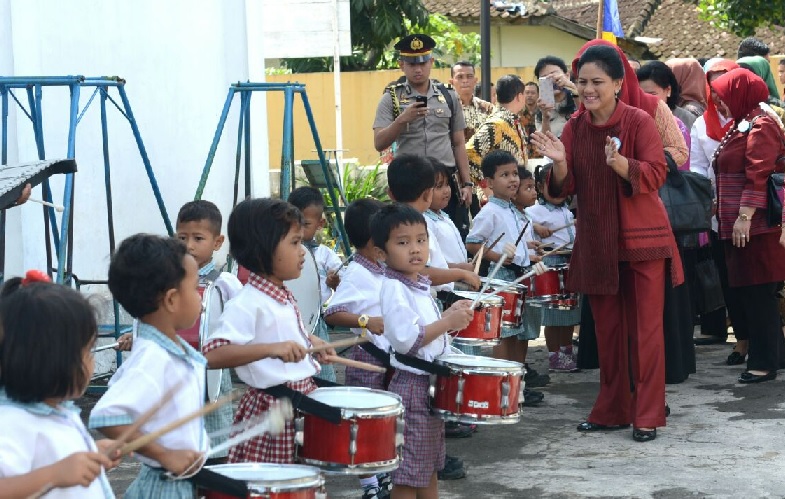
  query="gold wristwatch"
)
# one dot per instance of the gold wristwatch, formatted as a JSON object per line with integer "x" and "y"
{"x": 362, "y": 321}
{"x": 744, "y": 217}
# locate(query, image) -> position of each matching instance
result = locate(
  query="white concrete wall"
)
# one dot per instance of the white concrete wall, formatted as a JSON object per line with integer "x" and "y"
{"x": 179, "y": 57}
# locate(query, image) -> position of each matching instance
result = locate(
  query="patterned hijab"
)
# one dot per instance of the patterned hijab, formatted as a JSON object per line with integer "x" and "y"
{"x": 631, "y": 93}
{"x": 741, "y": 90}
{"x": 713, "y": 128}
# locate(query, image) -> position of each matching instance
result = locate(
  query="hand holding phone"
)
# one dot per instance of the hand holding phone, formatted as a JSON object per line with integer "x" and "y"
{"x": 546, "y": 91}
{"x": 421, "y": 99}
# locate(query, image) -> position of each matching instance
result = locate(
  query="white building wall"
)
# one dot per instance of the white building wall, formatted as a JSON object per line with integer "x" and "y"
{"x": 178, "y": 57}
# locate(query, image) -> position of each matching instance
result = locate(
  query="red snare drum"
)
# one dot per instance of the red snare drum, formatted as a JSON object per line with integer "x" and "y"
{"x": 548, "y": 290}
{"x": 271, "y": 481}
{"x": 514, "y": 298}
{"x": 486, "y": 326}
{"x": 480, "y": 390}
{"x": 368, "y": 440}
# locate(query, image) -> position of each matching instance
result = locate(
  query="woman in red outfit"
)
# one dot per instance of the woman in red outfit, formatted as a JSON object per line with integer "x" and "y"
{"x": 743, "y": 162}
{"x": 611, "y": 157}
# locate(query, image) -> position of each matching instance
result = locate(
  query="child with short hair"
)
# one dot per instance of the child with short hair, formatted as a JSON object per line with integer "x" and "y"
{"x": 199, "y": 227}
{"x": 261, "y": 333}
{"x": 310, "y": 202}
{"x": 499, "y": 216}
{"x": 547, "y": 214}
{"x": 47, "y": 334}
{"x": 414, "y": 326}
{"x": 155, "y": 280}
{"x": 355, "y": 304}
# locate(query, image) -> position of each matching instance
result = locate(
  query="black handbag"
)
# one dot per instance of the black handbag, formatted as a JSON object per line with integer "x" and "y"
{"x": 688, "y": 199}
{"x": 775, "y": 191}
{"x": 707, "y": 293}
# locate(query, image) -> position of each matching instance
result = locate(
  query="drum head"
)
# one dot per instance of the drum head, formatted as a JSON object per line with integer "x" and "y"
{"x": 263, "y": 477}
{"x": 498, "y": 283}
{"x": 488, "y": 300}
{"x": 358, "y": 400}
{"x": 307, "y": 293}
{"x": 476, "y": 362}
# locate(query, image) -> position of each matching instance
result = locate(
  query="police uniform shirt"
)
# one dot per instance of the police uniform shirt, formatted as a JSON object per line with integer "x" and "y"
{"x": 430, "y": 136}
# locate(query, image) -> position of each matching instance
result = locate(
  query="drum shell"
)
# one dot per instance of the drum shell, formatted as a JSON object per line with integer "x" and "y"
{"x": 486, "y": 324}
{"x": 270, "y": 484}
{"x": 514, "y": 298}
{"x": 378, "y": 433}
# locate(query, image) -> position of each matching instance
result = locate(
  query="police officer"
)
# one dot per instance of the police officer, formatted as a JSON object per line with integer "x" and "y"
{"x": 425, "y": 118}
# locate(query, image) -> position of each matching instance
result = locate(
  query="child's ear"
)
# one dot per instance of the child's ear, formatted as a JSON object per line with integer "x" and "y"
{"x": 322, "y": 223}
{"x": 381, "y": 256}
{"x": 390, "y": 194}
{"x": 427, "y": 196}
{"x": 219, "y": 241}
{"x": 170, "y": 300}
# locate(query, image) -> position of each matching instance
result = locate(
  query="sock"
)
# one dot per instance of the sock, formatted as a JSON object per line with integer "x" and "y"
{"x": 369, "y": 482}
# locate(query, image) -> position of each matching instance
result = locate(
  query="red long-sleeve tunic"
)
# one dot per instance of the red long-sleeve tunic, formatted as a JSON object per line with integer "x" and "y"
{"x": 618, "y": 220}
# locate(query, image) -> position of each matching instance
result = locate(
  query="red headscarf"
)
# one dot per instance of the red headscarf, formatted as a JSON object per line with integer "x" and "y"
{"x": 631, "y": 93}
{"x": 713, "y": 128}
{"x": 741, "y": 90}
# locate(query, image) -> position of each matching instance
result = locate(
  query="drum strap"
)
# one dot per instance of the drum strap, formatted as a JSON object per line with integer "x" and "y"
{"x": 422, "y": 365}
{"x": 306, "y": 404}
{"x": 377, "y": 353}
{"x": 210, "y": 480}
{"x": 515, "y": 268}
{"x": 448, "y": 298}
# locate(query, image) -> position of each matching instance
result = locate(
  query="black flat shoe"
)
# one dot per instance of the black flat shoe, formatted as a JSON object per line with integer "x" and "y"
{"x": 667, "y": 410}
{"x": 531, "y": 398}
{"x": 644, "y": 435}
{"x": 587, "y": 426}
{"x": 735, "y": 358}
{"x": 748, "y": 377}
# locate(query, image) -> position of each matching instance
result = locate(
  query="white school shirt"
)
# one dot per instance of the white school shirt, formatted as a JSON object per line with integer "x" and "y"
{"x": 326, "y": 261}
{"x": 36, "y": 435}
{"x": 552, "y": 216}
{"x": 502, "y": 216}
{"x": 156, "y": 366}
{"x": 256, "y": 317}
{"x": 436, "y": 258}
{"x": 447, "y": 234}
{"x": 702, "y": 149}
{"x": 358, "y": 293}
{"x": 226, "y": 287}
{"x": 407, "y": 307}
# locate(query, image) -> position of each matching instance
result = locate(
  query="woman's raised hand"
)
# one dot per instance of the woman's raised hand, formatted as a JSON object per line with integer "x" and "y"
{"x": 549, "y": 145}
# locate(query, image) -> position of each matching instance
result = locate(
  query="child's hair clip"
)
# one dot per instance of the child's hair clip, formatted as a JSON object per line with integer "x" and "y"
{"x": 35, "y": 276}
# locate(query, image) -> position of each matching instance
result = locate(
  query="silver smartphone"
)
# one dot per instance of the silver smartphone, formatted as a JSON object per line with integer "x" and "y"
{"x": 546, "y": 91}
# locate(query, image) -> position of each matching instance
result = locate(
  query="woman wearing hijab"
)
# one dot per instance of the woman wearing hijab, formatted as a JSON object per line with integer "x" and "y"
{"x": 611, "y": 158}
{"x": 748, "y": 154}
{"x": 692, "y": 84}
{"x": 706, "y": 134}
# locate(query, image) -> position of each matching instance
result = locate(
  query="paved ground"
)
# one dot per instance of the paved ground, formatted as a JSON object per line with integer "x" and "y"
{"x": 723, "y": 439}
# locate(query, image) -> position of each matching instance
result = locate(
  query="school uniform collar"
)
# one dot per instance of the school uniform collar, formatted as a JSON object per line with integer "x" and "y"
{"x": 502, "y": 203}
{"x": 281, "y": 294}
{"x": 423, "y": 282}
{"x": 311, "y": 244}
{"x": 433, "y": 215}
{"x": 551, "y": 206}
{"x": 205, "y": 271}
{"x": 40, "y": 408}
{"x": 369, "y": 265}
{"x": 186, "y": 353}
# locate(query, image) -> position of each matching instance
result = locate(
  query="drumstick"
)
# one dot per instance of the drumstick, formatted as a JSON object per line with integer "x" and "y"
{"x": 274, "y": 424}
{"x": 523, "y": 231}
{"x": 509, "y": 285}
{"x": 57, "y": 207}
{"x": 350, "y": 342}
{"x": 488, "y": 247}
{"x": 477, "y": 260}
{"x": 356, "y": 364}
{"x": 554, "y": 250}
{"x": 153, "y": 436}
{"x": 490, "y": 278}
{"x": 556, "y": 229}
{"x": 106, "y": 347}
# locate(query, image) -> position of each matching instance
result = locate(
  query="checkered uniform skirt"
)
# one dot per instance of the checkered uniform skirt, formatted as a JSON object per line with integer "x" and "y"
{"x": 266, "y": 448}
{"x": 423, "y": 448}
{"x": 149, "y": 483}
{"x": 361, "y": 377}
{"x": 532, "y": 316}
{"x": 222, "y": 417}
{"x": 552, "y": 317}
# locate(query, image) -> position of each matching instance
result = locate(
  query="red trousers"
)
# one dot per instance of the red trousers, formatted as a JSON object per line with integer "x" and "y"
{"x": 630, "y": 343}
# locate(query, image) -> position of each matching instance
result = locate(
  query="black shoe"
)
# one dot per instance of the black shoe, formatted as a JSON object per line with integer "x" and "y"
{"x": 667, "y": 410}
{"x": 735, "y": 358}
{"x": 711, "y": 340}
{"x": 534, "y": 379}
{"x": 748, "y": 377}
{"x": 453, "y": 469}
{"x": 587, "y": 426}
{"x": 452, "y": 461}
{"x": 532, "y": 397}
{"x": 644, "y": 435}
{"x": 457, "y": 430}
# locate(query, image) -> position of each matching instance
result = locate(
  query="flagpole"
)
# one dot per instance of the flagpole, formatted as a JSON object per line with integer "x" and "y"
{"x": 600, "y": 15}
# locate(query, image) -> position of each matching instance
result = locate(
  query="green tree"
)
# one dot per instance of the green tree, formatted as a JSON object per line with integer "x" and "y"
{"x": 743, "y": 16}
{"x": 374, "y": 25}
{"x": 451, "y": 44}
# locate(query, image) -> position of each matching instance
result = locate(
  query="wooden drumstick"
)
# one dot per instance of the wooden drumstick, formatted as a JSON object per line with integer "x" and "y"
{"x": 523, "y": 231}
{"x": 478, "y": 259}
{"x": 554, "y": 250}
{"x": 338, "y": 344}
{"x": 106, "y": 347}
{"x": 354, "y": 363}
{"x": 490, "y": 278}
{"x": 487, "y": 247}
{"x": 556, "y": 229}
{"x": 57, "y": 207}
{"x": 155, "y": 435}
{"x": 509, "y": 285}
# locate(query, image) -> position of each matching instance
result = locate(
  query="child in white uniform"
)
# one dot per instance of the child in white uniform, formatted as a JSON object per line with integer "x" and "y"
{"x": 48, "y": 332}
{"x": 414, "y": 326}
{"x": 310, "y": 202}
{"x": 355, "y": 304}
{"x": 155, "y": 280}
{"x": 261, "y": 333}
{"x": 547, "y": 214}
